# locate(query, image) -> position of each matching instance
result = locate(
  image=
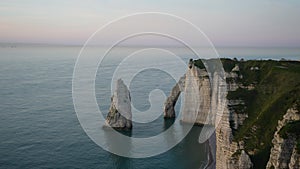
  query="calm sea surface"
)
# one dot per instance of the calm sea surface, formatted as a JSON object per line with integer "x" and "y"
{"x": 39, "y": 127}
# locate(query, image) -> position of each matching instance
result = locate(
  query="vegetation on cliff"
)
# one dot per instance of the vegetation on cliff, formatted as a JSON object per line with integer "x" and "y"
{"x": 293, "y": 129}
{"x": 268, "y": 89}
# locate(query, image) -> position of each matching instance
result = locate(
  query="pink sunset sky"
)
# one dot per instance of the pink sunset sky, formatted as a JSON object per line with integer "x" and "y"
{"x": 226, "y": 23}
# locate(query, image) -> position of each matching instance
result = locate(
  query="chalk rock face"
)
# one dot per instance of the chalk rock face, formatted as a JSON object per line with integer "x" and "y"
{"x": 197, "y": 93}
{"x": 227, "y": 156}
{"x": 225, "y": 146}
{"x": 197, "y": 98}
{"x": 237, "y": 118}
{"x": 120, "y": 115}
{"x": 244, "y": 161}
{"x": 236, "y": 68}
{"x": 169, "y": 111}
{"x": 206, "y": 101}
{"x": 283, "y": 152}
{"x": 227, "y": 151}
{"x": 295, "y": 160}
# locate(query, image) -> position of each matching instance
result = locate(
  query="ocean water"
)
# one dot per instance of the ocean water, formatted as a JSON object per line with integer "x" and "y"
{"x": 39, "y": 127}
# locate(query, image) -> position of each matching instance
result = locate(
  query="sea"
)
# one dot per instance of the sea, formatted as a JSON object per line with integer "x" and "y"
{"x": 39, "y": 127}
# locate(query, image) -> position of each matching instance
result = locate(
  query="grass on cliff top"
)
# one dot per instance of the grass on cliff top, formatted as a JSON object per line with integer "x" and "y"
{"x": 277, "y": 88}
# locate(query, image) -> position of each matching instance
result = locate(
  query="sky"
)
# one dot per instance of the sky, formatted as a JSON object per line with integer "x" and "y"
{"x": 257, "y": 23}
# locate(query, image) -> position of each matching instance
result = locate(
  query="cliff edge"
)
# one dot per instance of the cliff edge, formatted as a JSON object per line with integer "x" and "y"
{"x": 260, "y": 95}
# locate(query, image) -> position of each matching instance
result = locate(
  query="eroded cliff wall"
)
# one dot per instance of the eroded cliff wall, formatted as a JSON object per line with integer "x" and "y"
{"x": 231, "y": 154}
{"x": 259, "y": 93}
{"x": 283, "y": 153}
{"x": 197, "y": 91}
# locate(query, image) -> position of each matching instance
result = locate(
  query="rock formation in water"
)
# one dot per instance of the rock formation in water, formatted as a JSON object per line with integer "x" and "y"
{"x": 202, "y": 101}
{"x": 169, "y": 110}
{"x": 195, "y": 86}
{"x": 257, "y": 92}
{"x": 119, "y": 115}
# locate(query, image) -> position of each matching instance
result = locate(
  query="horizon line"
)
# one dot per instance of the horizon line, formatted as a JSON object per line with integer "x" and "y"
{"x": 42, "y": 44}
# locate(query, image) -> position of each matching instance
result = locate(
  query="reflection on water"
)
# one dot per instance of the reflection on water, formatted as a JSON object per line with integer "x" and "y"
{"x": 39, "y": 127}
{"x": 187, "y": 154}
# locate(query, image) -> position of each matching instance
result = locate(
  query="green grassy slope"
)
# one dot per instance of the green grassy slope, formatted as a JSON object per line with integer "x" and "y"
{"x": 277, "y": 88}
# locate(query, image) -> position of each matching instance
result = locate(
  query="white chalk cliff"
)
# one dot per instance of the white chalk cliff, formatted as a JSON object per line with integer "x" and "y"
{"x": 231, "y": 154}
{"x": 169, "y": 111}
{"x": 195, "y": 86}
{"x": 283, "y": 153}
{"x": 202, "y": 99}
{"x": 120, "y": 115}
{"x": 196, "y": 103}
{"x": 206, "y": 102}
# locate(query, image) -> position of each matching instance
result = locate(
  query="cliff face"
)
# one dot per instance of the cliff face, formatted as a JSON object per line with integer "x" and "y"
{"x": 196, "y": 104}
{"x": 195, "y": 86}
{"x": 259, "y": 94}
{"x": 295, "y": 159}
{"x": 283, "y": 153}
{"x": 119, "y": 115}
{"x": 230, "y": 154}
{"x": 203, "y": 100}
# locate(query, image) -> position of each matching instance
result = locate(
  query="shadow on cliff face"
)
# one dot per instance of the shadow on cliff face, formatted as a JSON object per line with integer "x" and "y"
{"x": 168, "y": 123}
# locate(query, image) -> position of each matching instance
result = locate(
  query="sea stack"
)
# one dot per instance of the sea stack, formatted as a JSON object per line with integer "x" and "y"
{"x": 119, "y": 115}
